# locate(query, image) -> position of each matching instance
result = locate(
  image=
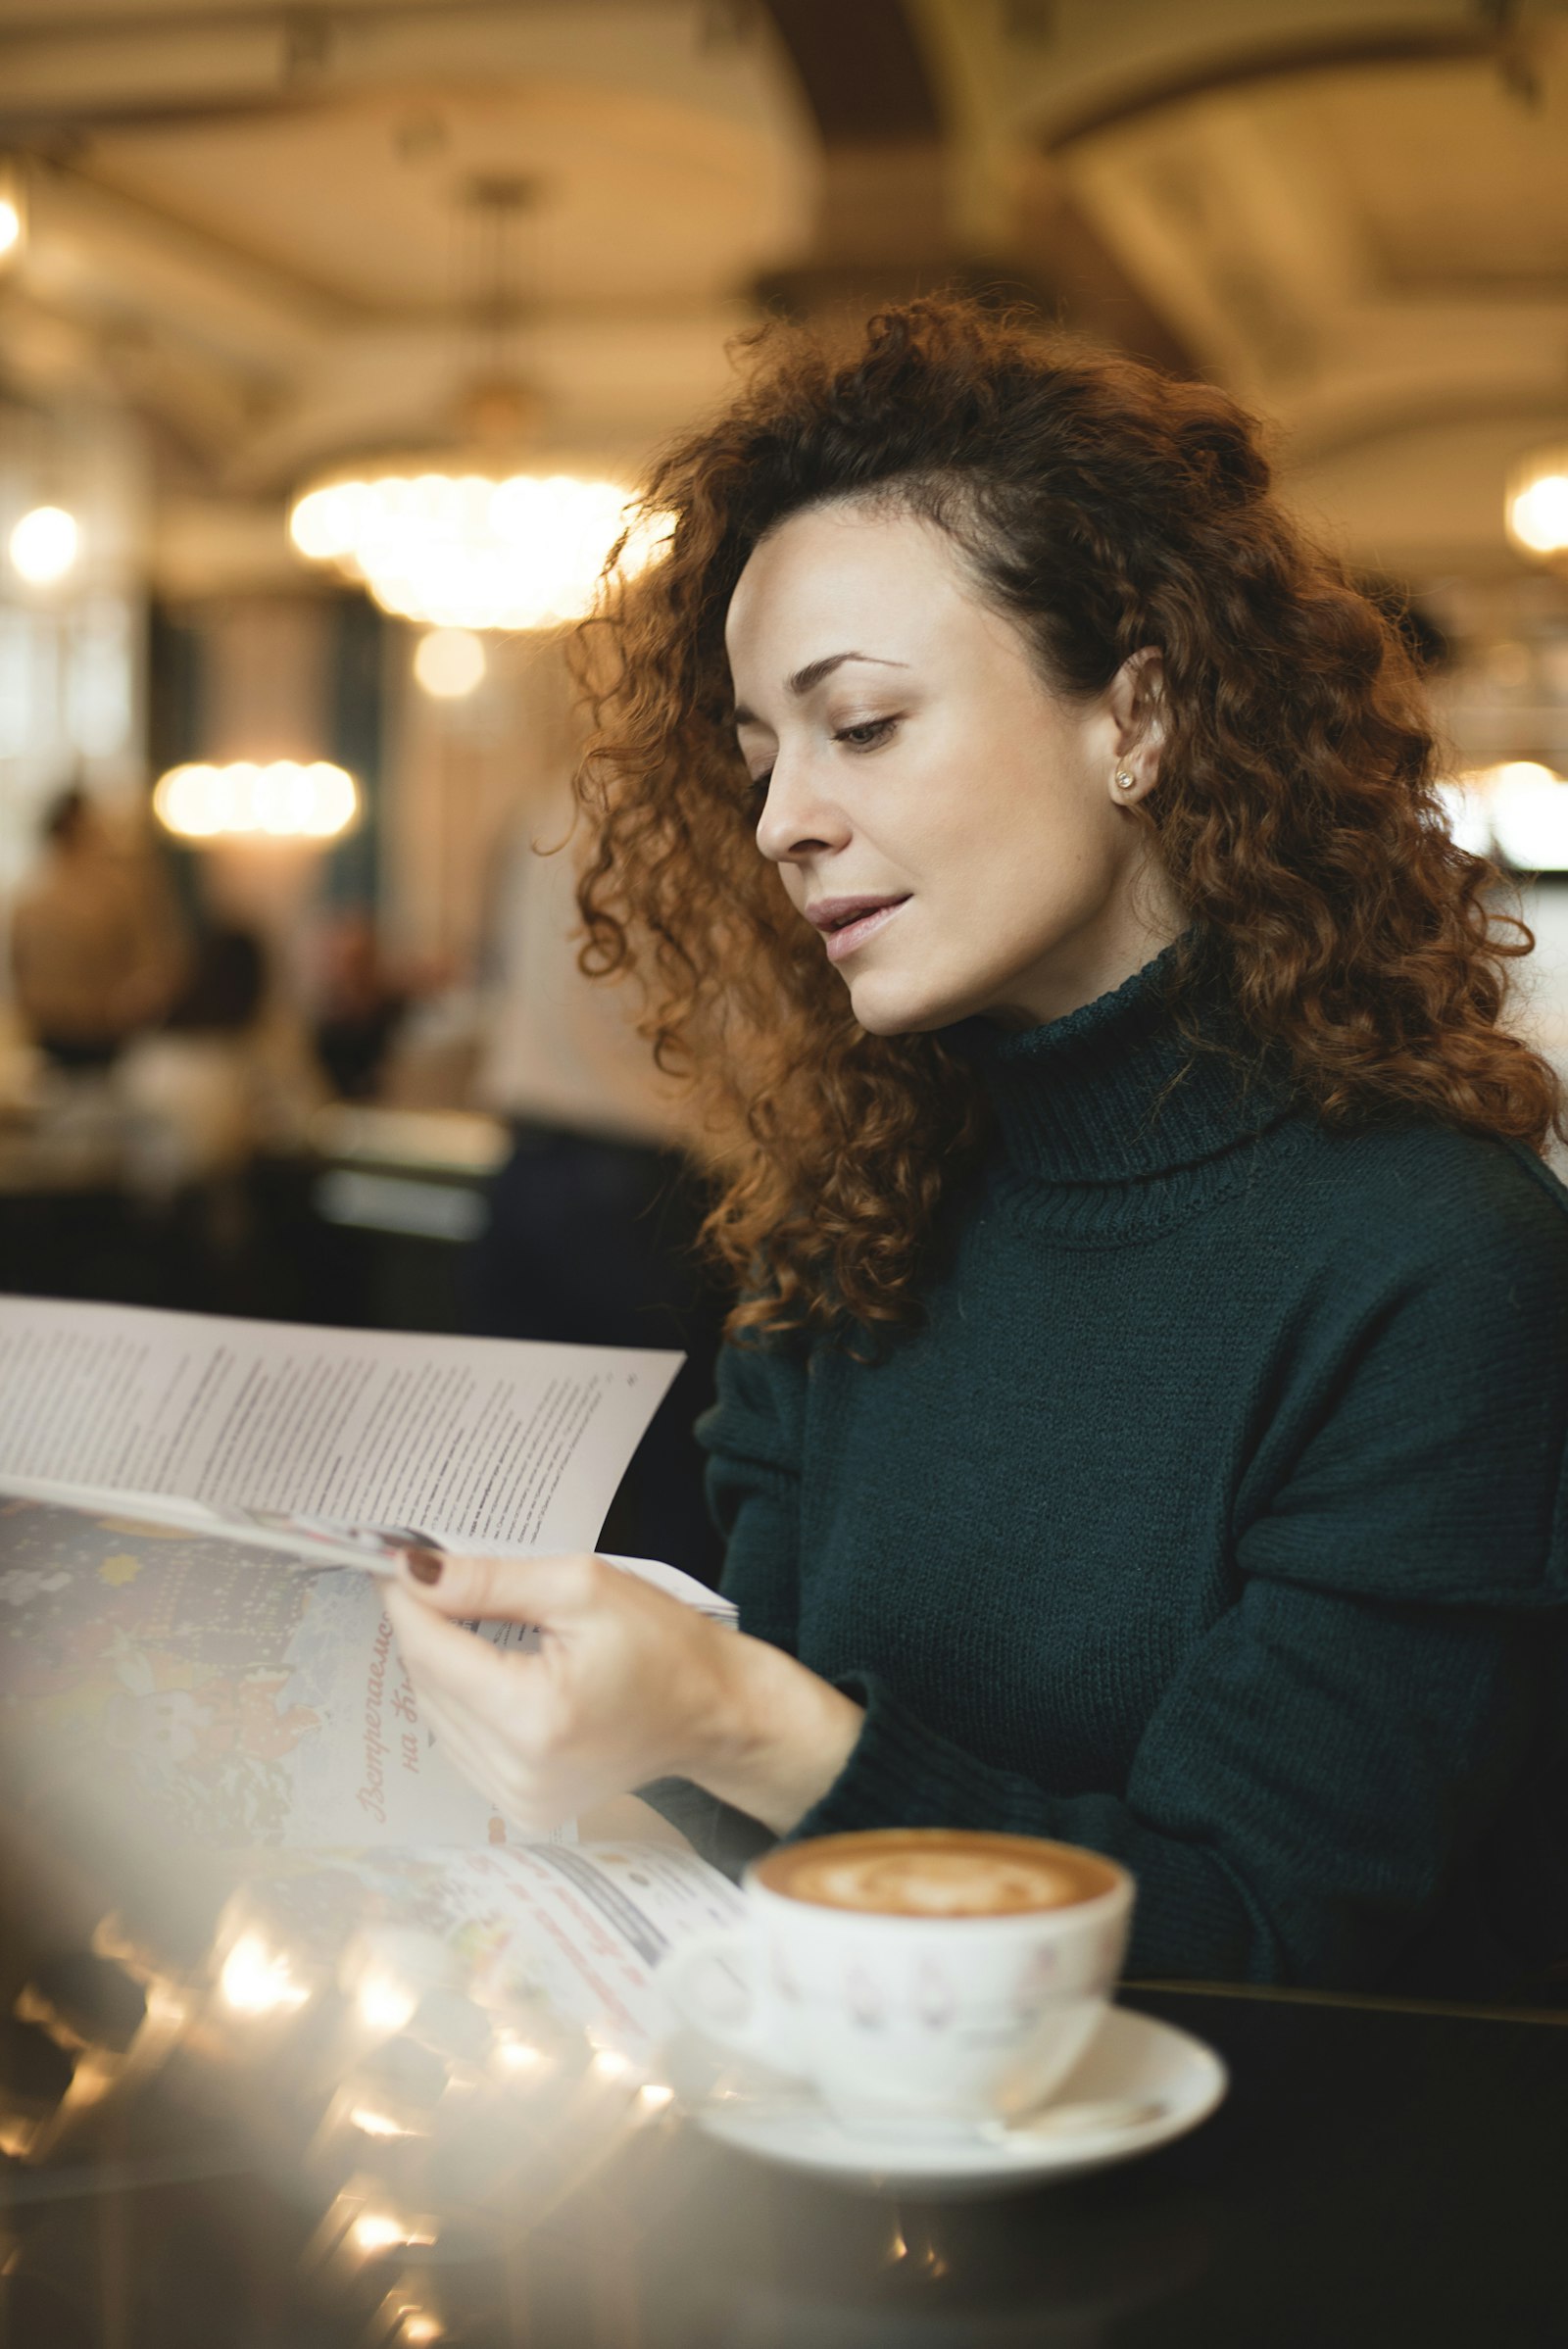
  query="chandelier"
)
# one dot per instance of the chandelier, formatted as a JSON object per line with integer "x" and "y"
{"x": 1536, "y": 507}
{"x": 467, "y": 548}
{"x": 472, "y": 536}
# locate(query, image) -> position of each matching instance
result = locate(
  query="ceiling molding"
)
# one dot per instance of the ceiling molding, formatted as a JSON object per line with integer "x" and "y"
{"x": 1432, "y": 414}
{"x": 1280, "y": 60}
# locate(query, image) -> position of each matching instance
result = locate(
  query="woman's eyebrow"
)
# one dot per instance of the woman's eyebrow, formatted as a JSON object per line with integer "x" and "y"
{"x": 805, "y": 679}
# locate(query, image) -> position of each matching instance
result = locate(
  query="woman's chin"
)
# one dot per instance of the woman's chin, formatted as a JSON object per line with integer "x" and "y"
{"x": 900, "y": 1011}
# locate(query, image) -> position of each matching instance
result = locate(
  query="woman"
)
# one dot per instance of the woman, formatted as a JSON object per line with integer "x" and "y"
{"x": 1200, "y": 1495}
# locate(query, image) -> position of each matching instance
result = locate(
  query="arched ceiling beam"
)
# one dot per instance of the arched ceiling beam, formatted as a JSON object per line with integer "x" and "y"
{"x": 878, "y": 109}
{"x": 1281, "y": 61}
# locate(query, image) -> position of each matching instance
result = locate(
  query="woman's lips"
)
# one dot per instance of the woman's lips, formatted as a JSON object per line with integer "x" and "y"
{"x": 839, "y": 942}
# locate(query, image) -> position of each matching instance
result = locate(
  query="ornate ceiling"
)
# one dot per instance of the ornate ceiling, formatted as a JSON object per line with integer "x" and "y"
{"x": 248, "y": 220}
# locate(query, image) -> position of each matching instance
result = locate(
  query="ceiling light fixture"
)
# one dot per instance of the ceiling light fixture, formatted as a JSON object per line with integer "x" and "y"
{"x": 1537, "y": 504}
{"x": 466, "y": 549}
{"x": 242, "y": 801}
{"x": 468, "y": 537}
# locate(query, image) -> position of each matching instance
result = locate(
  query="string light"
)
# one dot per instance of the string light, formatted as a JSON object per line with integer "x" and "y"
{"x": 283, "y": 800}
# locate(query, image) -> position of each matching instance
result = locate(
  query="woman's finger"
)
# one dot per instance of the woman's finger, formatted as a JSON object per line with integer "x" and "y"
{"x": 554, "y": 1593}
{"x": 477, "y": 1756}
{"x": 466, "y": 1669}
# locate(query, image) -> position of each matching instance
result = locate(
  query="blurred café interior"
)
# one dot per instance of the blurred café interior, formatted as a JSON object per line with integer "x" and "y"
{"x": 331, "y": 341}
{"x": 334, "y": 337}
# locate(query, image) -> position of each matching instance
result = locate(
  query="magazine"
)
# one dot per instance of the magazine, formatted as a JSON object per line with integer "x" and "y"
{"x": 194, "y": 1515}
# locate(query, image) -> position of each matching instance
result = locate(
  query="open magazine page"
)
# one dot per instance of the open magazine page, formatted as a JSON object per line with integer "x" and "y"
{"x": 483, "y": 1441}
{"x": 549, "y": 1941}
{"x": 322, "y": 1541}
{"x": 168, "y": 1687}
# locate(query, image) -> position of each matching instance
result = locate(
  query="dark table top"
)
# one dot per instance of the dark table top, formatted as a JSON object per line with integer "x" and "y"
{"x": 1380, "y": 2173}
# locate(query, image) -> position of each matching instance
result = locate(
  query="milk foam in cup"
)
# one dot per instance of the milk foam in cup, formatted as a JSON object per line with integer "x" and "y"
{"x": 944, "y": 1975}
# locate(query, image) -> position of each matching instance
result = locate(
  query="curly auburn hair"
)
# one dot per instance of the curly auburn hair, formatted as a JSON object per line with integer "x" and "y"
{"x": 1104, "y": 508}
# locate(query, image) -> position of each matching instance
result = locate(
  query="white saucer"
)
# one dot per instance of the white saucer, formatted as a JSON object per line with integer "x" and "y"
{"x": 1133, "y": 2058}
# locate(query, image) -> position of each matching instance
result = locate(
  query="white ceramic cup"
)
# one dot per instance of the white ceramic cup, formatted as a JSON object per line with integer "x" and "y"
{"x": 892, "y": 2015}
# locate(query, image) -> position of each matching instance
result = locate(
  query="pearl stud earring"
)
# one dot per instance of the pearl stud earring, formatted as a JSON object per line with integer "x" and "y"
{"x": 1125, "y": 781}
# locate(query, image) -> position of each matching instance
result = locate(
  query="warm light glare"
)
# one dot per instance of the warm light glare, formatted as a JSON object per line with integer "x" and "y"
{"x": 1527, "y": 805}
{"x": 1537, "y": 504}
{"x": 10, "y": 224}
{"x": 255, "y": 1980}
{"x": 1468, "y": 821}
{"x": 449, "y": 663}
{"x": 44, "y": 545}
{"x": 656, "y": 2096}
{"x": 379, "y": 2230}
{"x": 467, "y": 551}
{"x": 378, "y": 2125}
{"x": 1540, "y": 514}
{"x": 384, "y": 2003}
{"x": 518, "y": 2056}
{"x": 280, "y": 802}
{"x": 418, "y": 2326}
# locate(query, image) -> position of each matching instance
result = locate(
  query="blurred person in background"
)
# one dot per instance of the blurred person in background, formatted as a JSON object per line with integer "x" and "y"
{"x": 96, "y": 951}
{"x": 592, "y": 1216}
{"x": 361, "y": 1010}
{"x": 227, "y": 1072}
{"x": 1144, "y": 1418}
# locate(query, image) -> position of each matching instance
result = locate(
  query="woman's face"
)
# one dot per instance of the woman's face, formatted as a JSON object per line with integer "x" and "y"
{"x": 912, "y": 750}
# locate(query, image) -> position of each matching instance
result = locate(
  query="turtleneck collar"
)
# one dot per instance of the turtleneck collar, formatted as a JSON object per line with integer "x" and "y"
{"x": 1084, "y": 1099}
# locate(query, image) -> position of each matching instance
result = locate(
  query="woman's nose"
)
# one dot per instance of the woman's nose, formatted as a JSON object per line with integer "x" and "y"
{"x": 798, "y": 812}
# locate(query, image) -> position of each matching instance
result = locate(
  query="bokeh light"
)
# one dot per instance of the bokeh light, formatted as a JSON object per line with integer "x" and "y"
{"x": 44, "y": 545}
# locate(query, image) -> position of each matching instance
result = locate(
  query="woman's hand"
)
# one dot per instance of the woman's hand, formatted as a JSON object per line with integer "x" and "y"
{"x": 629, "y": 1685}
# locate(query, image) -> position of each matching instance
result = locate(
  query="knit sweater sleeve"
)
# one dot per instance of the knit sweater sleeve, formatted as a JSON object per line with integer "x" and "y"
{"x": 1325, "y": 1762}
{"x": 752, "y": 1435}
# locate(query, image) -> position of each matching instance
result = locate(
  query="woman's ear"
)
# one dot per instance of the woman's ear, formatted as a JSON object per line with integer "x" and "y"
{"x": 1137, "y": 706}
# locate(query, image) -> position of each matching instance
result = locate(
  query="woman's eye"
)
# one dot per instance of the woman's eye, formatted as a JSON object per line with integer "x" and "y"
{"x": 760, "y": 783}
{"x": 867, "y": 734}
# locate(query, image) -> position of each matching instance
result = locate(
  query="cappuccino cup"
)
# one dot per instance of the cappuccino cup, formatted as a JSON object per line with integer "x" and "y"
{"x": 945, "y": 1975}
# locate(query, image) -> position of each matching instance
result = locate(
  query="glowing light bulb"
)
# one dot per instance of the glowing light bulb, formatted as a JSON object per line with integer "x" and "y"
{"x": 44, "y": 545}
{"x": 449, "y": 663}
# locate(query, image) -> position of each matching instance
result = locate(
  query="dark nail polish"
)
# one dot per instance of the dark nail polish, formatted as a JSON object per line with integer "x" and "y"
{"x": 425, "y": 1565}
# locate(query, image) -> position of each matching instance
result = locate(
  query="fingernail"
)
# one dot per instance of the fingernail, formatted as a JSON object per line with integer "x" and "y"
{"x": 424, "y": 1564}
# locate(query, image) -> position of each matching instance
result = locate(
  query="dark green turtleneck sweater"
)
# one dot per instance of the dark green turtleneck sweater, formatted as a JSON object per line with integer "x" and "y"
{"x": 1216, "y": 1519}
